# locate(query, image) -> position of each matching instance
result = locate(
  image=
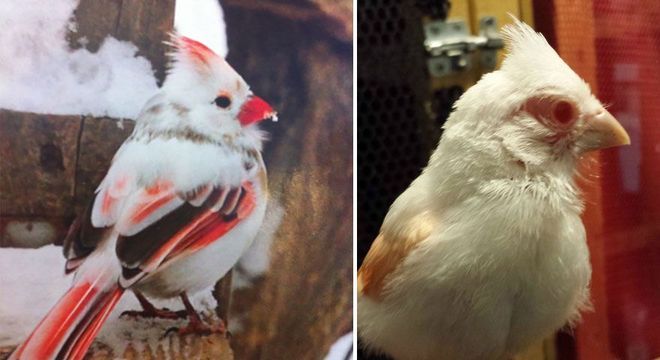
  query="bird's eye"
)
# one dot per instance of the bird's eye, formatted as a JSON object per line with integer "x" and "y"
{"x": 222, "y": 101}
{"x": 563, "y": 112}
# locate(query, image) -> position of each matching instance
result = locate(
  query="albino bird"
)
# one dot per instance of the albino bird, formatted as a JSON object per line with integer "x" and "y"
{"x": 183, "y": 199}
{"x": 485, "y": 252}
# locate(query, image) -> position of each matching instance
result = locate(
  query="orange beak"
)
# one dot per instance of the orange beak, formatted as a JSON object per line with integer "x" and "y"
{"x": 254, "y": 110}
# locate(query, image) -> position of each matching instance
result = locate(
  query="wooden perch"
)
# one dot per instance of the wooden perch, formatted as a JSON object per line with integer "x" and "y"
{"x": 173, "y": 347}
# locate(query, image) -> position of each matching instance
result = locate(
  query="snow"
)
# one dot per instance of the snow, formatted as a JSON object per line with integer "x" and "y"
{"x": 341, "y": 348}
{"x": 36, "y": 279}
{"x": 202, "y": 20}
{"x": 39, "y": 73}
{"x": 31, "y": 282}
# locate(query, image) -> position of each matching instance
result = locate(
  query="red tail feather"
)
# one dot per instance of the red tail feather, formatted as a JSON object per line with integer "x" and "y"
{"x": 69, "y": 328}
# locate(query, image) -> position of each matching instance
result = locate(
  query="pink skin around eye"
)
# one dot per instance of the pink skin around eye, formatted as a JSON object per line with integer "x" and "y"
{"x": 557, "y": 114}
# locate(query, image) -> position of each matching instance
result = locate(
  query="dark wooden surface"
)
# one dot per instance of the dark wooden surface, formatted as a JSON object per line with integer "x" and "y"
{"x": 98, "y": 140}
{"x": 37, "y": 175}
{"x": 46, "y": 145}
{"x": 50, "y": 167}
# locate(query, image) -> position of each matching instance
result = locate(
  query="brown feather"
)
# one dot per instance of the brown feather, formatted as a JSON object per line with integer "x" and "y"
{"x": 388, "y": 252}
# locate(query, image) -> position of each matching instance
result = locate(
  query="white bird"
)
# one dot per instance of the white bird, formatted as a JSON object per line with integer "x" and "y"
{"x": 485, "y": 253}
{"x": 183, "y": 199}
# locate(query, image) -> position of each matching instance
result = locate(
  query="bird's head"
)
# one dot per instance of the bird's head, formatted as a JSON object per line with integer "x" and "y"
{"x": 207, "y": 94}
{"x": 535, "y": 113}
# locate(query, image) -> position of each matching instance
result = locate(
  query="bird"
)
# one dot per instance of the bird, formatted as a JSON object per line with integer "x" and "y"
{"x": 485, "y": 252}
{"x": 182, "y": 200}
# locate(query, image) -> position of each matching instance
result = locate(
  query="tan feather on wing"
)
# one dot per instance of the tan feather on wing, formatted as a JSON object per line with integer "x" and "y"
{"x": 388, "y": 252}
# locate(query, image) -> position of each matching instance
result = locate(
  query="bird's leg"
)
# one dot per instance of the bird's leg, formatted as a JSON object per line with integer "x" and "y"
{"x": 150, "y": 311}
{"x": 195, "y": 323}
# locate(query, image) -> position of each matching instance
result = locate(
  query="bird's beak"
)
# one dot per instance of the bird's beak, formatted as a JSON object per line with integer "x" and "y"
{"x": 603, "y": 131}
{"x": 254, "y": 110}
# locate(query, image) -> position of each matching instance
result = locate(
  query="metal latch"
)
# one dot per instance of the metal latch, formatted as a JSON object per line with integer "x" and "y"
{"x": 449, "y": 45}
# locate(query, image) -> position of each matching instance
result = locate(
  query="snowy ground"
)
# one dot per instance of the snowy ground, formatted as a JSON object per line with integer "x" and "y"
{"x": 39, "y": 73}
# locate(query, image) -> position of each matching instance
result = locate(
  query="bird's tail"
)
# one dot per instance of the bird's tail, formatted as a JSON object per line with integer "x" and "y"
{"x": 70, "y": 327}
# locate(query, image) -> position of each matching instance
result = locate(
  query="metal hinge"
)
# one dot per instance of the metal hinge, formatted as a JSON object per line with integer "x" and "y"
{"x": 449, "y": 45}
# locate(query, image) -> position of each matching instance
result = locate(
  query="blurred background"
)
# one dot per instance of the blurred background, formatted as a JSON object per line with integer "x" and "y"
{"x": 407, "y": 84}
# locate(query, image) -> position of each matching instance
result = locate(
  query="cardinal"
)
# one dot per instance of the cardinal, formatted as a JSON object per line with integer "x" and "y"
{"x": 183, "y": 199}
{"x": 485, "y": 253}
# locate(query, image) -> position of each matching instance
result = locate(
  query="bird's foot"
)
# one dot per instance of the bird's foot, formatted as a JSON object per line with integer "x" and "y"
{"x": 155, "y": 313}
{"x": 195, "y": 323}
{"x": 152, "y": 312}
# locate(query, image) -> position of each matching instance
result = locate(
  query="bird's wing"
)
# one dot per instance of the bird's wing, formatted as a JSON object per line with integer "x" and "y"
{"x": 170, "y": 225}
{"x": 157, "y": 223}
{"x": 388, "y": 251}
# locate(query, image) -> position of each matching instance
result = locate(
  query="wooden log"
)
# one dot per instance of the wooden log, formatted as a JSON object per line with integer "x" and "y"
{"x": 43, "y": 180}
{"x": 98, "y": 142}
{"x": 49, "y": 170}
{"x": 303, "y": 303}
{"x": 37, "y": 176}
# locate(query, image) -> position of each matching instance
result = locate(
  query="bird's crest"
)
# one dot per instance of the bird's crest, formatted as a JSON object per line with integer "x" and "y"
{"x": 192, "y": 53}
{"x": 195, "y": 50}
{"x": 192, "y": 62}
{"x": 530, "y": 55}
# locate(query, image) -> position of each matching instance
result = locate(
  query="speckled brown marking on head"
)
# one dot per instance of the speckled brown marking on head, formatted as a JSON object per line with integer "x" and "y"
{"x": 238, "y": 85}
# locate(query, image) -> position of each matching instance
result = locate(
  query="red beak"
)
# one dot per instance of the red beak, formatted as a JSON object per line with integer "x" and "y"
{"x": 254, "y": 110}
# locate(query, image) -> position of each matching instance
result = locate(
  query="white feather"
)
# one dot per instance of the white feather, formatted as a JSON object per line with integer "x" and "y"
{"x": 508, "y": 263}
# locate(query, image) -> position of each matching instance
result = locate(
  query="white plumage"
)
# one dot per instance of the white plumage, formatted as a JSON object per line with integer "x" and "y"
{"x": 485, "y": 252}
